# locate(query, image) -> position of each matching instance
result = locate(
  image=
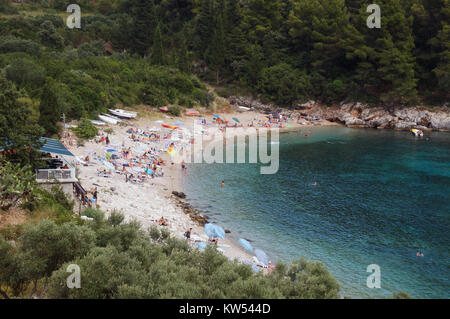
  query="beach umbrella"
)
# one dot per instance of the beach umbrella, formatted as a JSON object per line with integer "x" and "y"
{"x": 210, "y": 230}
{"x": 236, "y": 119}
{"x": 111, "y": 150}
{"x": 244, "y": 243}
{"x": 216, "y": 116}
{"x": 214, "y": 231}
{"x": 220, "y": 232}
{"x": 202, "y": 245}
{"x": 262, "y": 257}
{"x": 178, "y": 123}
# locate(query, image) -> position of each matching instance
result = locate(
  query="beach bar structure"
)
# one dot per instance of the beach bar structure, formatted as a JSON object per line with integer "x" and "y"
{"x": 64, "y": 175}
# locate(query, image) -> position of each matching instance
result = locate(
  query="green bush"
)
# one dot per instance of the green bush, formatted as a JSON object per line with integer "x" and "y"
{"x": 175, "y": 110}
{"x": 86, "y": 130}
{"x": 17, "y": 185}
{"x": 56, "y": 20}
{"x": 12, "y": 44}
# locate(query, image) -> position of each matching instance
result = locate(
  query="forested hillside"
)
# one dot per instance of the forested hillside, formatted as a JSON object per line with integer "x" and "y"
{"x": 285, "y": 51}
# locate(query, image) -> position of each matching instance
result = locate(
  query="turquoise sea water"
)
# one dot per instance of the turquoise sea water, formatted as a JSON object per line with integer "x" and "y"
{"x": 381, "y": 196}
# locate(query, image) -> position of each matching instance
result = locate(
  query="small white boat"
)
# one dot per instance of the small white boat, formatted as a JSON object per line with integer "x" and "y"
{"x": 112, "y": 117}
{"x": 243, "y": 108}
{"x": 123, "y": 114}
{"x": 108, "y": 119}
{"x": 99, "y": 123}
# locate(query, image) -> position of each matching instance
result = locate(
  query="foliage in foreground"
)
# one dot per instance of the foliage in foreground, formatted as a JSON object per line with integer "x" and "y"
{"x": 120, "y": 260}
{"x": 16, "y": 184}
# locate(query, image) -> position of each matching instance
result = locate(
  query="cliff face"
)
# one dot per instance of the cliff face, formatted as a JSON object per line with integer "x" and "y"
{"x": 364, "y": 116}
{"x": 360, "y": 115}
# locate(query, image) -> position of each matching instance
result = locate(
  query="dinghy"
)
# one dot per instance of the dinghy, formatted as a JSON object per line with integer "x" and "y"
{"x": 99, "y": 123}
{"x": 112, "y": 116}
{"x": 108, "y": 119}
{"x": 123, "y": 114}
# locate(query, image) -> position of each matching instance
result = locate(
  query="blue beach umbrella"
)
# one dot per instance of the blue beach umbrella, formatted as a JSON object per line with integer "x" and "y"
{"x": 220, "y": 232}
{"x": 210, "y": 230}
{"x": 214, "y": 231}
{"x": 262, "y": 257}
{"x": 111, "y": 150}
{"x": 244, "y": 243}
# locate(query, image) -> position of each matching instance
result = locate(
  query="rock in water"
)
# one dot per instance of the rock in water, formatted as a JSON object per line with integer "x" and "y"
{"x": 179, "y": 194}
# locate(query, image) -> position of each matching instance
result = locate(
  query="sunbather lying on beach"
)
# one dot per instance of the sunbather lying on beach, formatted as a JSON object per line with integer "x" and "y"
{"x": 213, "y": 241}
{"x": 163, "y": 222}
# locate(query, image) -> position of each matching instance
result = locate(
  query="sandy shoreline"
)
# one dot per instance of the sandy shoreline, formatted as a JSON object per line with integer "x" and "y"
{"x": 149, "y": 201}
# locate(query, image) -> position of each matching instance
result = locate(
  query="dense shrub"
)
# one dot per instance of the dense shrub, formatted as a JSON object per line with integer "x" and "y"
{"x": 283, "y": 84}
{"x": 86, "y": 130}
{"x": 175, "y": 110}
{"x": 56, "y": 20}
{"x": 13, "y": 44}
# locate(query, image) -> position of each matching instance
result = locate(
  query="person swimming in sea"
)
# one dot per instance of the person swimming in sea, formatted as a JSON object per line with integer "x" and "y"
{"x": 222, "y": 184}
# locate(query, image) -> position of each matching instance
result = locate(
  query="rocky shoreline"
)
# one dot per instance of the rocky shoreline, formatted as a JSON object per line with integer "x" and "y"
{"x": 188, "y": 209}
{"x": 360, "y": 115}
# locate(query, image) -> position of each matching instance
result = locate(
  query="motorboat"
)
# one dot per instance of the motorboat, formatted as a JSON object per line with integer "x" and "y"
{"x": 123, "y": 114}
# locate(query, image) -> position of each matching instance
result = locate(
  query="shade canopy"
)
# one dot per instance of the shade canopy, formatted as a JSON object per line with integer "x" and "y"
{"x": 262, "y": 257}
{"x": 244, "y": 243}
{"x": 214, "y": 231}
{"x": 54, "y": 146}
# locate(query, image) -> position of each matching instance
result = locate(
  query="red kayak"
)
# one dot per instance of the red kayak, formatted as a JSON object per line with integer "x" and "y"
{"x": 192, "y": 113}
{"x": 164, "y": 109}
{"x": 169, "y": 126}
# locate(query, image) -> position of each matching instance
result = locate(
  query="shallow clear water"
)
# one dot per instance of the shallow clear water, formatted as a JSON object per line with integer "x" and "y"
{"x": 380, "y": 197}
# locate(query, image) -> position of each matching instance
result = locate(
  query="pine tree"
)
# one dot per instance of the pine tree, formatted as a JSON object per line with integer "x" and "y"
{"x": 216, "y": 50}
{"x": 442, "y": 70}
{"x": 144, "y": 16}
{"x": 323, "y": 31}
{"x": 19, "y": 139}
{"x": 183, "y": 55}
{"x": 204, "y": 27}
{"x": 49, "y": 110}
{"x": 393, "y": 54}
{"x": 158, "y": 54}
